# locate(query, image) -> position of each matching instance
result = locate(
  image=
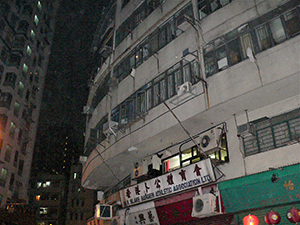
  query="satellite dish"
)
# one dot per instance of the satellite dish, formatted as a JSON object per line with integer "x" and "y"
{"x": 250, "y": 55}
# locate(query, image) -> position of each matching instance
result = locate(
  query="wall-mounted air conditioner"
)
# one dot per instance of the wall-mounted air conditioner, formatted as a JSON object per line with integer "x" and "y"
{"x": 110, "y": 127}
{"x": 140, "y": 169}
{"x": 210, "y": 140}
{"x": 246, "y": 130}
{"x": 184, "y": 88}
{"x": 204, "y": 205}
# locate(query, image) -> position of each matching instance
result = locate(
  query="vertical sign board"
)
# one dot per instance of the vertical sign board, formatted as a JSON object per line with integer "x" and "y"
{"x": 191, "y": 176}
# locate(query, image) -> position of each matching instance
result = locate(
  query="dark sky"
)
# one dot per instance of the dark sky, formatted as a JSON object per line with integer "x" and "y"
{"x": 69, "y": 69}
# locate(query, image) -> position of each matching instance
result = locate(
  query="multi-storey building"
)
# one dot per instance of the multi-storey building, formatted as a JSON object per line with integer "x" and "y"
{"x": 26, "y": 32}
{"x": 81, "y": 201}
{"x": 50, "y": 199}
{"x": 193, "y": 116}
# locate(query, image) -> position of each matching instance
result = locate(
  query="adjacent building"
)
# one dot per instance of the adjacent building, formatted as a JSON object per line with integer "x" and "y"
{"x": 50, "y": 199}
{"x": 26, "y": 33}
{"x": 193, "y": 115}
{"x": 81, "y": 201}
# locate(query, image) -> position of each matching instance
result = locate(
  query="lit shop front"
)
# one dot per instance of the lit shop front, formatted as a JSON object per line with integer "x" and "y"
{"x": 188, "y": 194}
{"x": 262, "y": 194}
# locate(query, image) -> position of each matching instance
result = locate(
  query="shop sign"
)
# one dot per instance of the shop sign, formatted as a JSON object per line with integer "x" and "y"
{"x": 256, "y": 191}
{"x": 144, "y": 217}
{"x": 182, "y": 179}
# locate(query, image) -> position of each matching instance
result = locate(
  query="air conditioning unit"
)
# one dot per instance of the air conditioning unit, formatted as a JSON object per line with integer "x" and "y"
{"x": 116, "y": 220}
{"x": 140, "y": 169}
{"x": 210, "y": 140}
{"x": 86, "y": 110}
{"x": 184, "y": 88}
{"x": 246, "y": 130}
{"x": 110, "y": 127}
{"x": 204, "y": 205}
{"x": 82, "y": 159}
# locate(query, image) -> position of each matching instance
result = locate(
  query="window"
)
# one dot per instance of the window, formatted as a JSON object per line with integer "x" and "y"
{"x": 16, "y": 158}
{"x": 36, "y": 20}
{"x": 7, "y": 153}
{"x": 43, "y": 210}
{"x": 171, "y": 163}
{"x": 20, "y": 89}
{"x": 39, "y": 184}
{"x": 32, "y": 34}
{"x": 10, "y": 80}
{"x": 46, "y": 184}
{"x": 11, "y": 182}
{"x": 292, "y": 22}
{"x": 28, "y": 50}
{"x": 192, "y": 155}
{"x": 39, "y": 5}
{"x": 5, "y": 99}
{"x": 273, "y": 133}
{"x": 1, "y": 71}
{"x": 3, "y": 121}
{"x": 4, "y": 55}
{"x": 152, "y": 94}
{"x": 207, "y": 7}
{"x": 3, "y": 176}
{"x": 277, "y": 30}
{"x": 20, "y": 168}
{"x": 75, "y": 175}
{"x": 263, "y": 37}
{"x": 12, "y": 129}
{"x": 267, "y": 31}
{"x": 20, "y": 136}
{"x": 16, "y": 109}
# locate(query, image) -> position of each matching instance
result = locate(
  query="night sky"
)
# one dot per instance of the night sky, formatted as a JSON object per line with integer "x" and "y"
{"x": 66, "y": 88}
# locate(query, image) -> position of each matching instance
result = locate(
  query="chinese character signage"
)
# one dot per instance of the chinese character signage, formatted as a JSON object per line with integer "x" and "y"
{"x": 182, "y": 179}
{"x": 144, "y": 217}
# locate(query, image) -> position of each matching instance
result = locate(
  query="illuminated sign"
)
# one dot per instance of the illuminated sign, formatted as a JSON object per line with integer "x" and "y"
{"x": 194, "y": 175}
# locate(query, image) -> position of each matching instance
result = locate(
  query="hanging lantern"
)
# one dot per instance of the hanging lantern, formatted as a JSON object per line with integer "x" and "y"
{"x": 272, "y": 217}
{"x": 293, "y": 215}
{"x": 250, "y": 220}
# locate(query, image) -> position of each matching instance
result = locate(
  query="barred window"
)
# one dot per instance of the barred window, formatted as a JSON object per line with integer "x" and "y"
{"x": 273, "y": 133}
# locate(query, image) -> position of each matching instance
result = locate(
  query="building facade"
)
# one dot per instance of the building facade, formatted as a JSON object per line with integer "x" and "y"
{"x": 50, "y": 199}
{"x": 81, "y": 201}
{"x": 26, "y": 32}
{"x": 193, "y": 115}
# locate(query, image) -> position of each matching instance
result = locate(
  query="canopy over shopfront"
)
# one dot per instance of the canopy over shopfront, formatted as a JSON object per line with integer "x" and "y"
{"x": 280, "y": 186}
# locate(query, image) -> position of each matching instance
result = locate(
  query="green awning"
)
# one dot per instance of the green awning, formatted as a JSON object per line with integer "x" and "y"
{"x": 257, "y": 190}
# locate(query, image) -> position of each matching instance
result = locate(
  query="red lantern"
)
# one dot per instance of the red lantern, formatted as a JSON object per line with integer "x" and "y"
{"x": 250, "y": 220}
{"x": 293, "y": 215}
{"x": 272, "y": 218}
